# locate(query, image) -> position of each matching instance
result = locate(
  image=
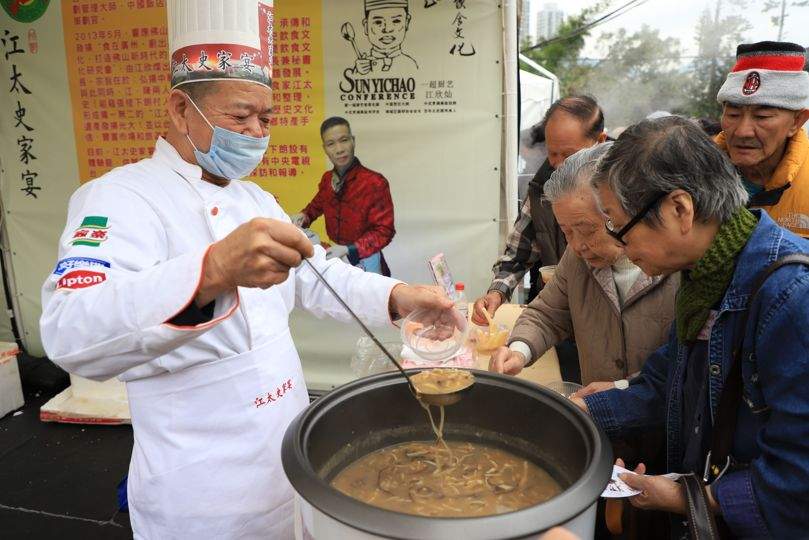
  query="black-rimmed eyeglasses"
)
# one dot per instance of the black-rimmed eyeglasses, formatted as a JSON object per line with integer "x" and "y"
{"x": 619, "y": 235}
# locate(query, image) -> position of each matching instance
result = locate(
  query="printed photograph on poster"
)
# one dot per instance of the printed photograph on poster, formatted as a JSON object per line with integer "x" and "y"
{"x": 354, "y": 201}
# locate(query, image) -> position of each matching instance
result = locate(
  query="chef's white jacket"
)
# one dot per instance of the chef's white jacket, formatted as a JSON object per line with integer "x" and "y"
{"x": 209, "y": 402}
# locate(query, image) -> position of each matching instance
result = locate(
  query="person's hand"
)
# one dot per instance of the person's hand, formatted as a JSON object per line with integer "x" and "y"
{"x": 640, "y": 469}
{"x": 592, "y": 388}
{"x": 363, "y": 65}
{"x": 558, "y": 533}
{"x": 580, "y": 403}
{"x": 407, "y": 298}
{"x": 490, "y": 302}
{"x": 336, "y": 251}
{"x": 258, "y": 253}
{"x": 504, "y": 360}
{"x": 657, "y": 492}
{"x": 299, "y": 220}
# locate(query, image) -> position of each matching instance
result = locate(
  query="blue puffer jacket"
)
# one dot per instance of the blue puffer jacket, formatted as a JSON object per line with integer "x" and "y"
{"x": 770, "y": 497}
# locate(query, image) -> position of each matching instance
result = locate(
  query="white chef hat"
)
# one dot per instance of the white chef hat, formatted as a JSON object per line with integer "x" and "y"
{"x": 371, "y": 5}
{"x": 211, "y": 40}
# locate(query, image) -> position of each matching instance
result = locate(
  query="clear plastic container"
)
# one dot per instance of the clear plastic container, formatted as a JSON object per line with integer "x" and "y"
{"x": 485, "y": 340}
{"x": 368, "y": 359}
{"x": 547, "y": 273}
{"x": 564, "y": 387}
{"x": 434, "y": 334}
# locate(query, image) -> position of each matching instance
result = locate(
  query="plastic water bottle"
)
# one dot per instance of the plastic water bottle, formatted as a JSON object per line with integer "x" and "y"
{"x": 460, "y": 300}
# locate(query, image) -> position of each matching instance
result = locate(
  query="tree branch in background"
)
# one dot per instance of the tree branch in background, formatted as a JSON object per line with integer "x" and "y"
{"x": 642, "y": 72}
{"x": 780, "y": 7}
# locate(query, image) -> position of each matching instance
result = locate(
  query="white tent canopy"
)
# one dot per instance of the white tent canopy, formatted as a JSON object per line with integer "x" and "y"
{"x": 538, "y": 89}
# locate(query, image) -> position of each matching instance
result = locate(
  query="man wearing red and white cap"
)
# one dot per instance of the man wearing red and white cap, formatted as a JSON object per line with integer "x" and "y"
{"x": 765, "y": 103}
{"x": 178, "y": 277}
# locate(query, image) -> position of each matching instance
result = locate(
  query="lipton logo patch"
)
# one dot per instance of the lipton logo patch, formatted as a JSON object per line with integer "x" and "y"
{"x": 92, "y": 231}
{"x": 752, "y": 83}
{"x": 80, "y": 279}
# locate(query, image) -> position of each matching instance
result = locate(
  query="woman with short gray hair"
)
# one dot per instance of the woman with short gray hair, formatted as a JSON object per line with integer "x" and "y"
{"x": 618, "y": 315}
{"x": 733, "y": 376}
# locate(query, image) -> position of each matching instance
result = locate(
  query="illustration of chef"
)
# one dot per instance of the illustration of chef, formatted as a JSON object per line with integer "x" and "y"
{"x": 385, "y": 24}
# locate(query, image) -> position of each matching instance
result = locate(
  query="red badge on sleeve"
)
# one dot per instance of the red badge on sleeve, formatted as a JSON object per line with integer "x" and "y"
{"x": 79, "y": 279}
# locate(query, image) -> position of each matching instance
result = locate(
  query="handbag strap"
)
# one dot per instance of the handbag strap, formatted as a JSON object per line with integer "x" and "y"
{"x": 724, "y": 428}
{"x": 701, "y": 522}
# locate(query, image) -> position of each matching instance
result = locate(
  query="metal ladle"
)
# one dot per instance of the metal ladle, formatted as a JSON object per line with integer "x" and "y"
{"x": 447, "y": 398}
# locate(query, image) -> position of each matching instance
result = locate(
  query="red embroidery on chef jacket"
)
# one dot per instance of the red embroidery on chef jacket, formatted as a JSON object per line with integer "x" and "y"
{"x": 274, "y": 395}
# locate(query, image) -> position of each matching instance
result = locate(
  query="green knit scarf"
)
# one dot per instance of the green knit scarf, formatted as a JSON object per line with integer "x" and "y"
{"x": 705, "y": 285}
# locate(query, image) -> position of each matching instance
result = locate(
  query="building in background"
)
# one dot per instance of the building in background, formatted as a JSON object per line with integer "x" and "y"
{"x": 524, "y": 10}
{"x": 549, "y": 19}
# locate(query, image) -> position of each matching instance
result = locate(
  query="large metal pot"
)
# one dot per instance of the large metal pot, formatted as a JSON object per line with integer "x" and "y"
{"x": 502, "y": 411}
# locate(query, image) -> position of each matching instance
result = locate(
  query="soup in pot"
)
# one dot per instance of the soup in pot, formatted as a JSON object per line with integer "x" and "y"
{"x": 454, "y": 479}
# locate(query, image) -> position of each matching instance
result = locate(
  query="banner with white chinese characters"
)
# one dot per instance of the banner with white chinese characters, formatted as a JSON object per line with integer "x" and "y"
{"x": 420, "y": 82}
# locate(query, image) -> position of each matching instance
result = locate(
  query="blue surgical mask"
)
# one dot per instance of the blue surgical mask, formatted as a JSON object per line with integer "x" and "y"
{"x": 232, "y": 155}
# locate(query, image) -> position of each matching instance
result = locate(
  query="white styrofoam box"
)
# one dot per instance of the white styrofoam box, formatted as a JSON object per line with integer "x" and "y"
{"x": 10, "y": 385}
{"x": 88, "y": 402}
{"x": 110, "y": 389}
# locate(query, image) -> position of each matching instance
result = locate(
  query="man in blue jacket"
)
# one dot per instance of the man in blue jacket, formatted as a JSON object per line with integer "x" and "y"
{"x": 676, "y": 203}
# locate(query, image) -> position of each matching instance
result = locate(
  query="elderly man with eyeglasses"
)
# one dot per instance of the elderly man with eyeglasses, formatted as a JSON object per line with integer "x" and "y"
{"x": 730, "y": 384}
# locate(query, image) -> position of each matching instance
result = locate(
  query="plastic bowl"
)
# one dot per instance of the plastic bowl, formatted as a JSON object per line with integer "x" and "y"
{"x": 485, "y": 341}
{"x": 433, "y": 334}
{"x": 547, "y": 273}
{"x": 564, "y": 387}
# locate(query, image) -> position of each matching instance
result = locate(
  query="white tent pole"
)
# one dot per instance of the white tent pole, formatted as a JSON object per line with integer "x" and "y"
{"x": 510, "y": 125}
{"x": 7, "y": 279}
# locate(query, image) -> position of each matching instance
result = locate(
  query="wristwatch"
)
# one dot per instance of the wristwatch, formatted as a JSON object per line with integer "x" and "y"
{"x": 622, "y": 384}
